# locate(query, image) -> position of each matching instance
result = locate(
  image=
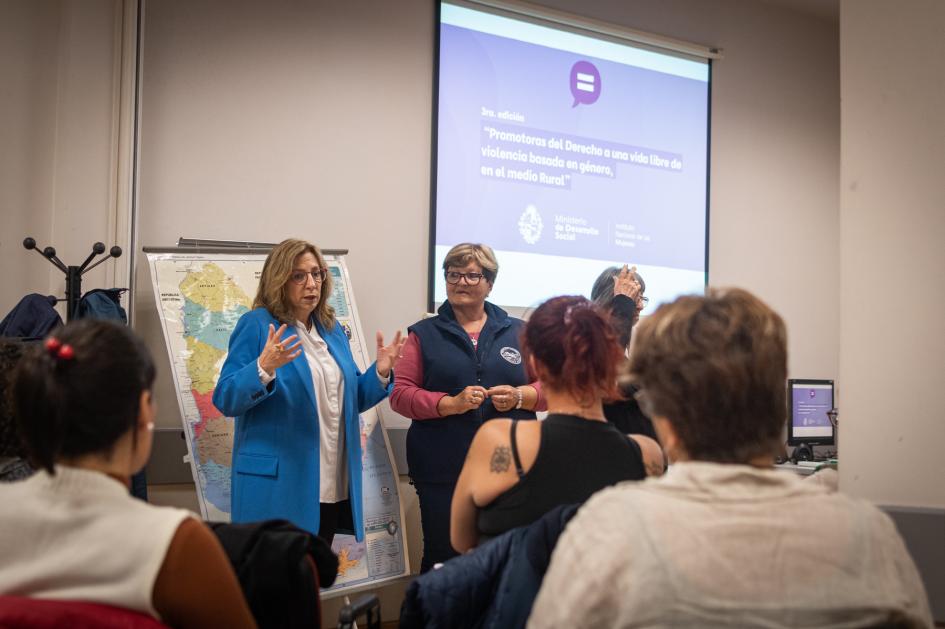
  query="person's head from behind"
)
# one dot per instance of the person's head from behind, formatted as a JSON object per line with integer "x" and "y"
{"x": 571, "y": 347}
{"x": 84, "y": 394}
{"x": 602, "y": 294}
{"x": 11, "y": 445}
{"x": 711, "y": 372}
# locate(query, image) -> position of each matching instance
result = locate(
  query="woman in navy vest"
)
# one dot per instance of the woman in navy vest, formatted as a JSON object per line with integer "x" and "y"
{"x": 459, "y": 369}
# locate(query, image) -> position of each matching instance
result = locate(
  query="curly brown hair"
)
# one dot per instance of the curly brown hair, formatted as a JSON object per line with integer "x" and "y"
{"x": 715, "y": 368}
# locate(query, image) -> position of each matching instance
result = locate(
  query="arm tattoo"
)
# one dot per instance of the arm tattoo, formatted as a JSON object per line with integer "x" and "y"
{"x": 501, "y": 458}
{"x": 653, "y": 468}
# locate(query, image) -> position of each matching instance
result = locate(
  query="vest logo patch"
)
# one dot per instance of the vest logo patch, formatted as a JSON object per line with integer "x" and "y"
{"x": 511, "y": 354}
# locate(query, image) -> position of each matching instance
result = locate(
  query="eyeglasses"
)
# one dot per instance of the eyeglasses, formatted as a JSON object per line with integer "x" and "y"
{"x": 643, "y": 301}
{"x": 301, "y": 277}
{"x": 453, "y": 277}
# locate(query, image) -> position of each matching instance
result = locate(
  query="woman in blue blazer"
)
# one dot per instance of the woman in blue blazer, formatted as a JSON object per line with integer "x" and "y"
{"x": 291, "y": 382}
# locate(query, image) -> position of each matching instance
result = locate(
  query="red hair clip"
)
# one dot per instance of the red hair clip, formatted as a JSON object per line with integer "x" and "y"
{"x": 58, "y": 350}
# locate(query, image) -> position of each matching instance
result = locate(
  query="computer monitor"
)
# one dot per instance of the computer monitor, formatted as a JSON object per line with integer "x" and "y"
{"x": 809, "y": 401}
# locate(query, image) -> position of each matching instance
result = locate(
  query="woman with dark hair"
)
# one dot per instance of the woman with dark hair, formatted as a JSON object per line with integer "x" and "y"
{"x": 619, "y": 292}
{"x": 291, "y": 382}
{"x": 86, "y": 412}
{"x": 517, "y": 471}
{"x": 724, "y": 539}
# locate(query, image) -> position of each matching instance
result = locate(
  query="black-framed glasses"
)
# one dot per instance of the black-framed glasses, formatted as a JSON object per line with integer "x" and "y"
{"x": 643, "y": 300}
{"x": 301, "y": 277}
{"x": 453, "y": 277}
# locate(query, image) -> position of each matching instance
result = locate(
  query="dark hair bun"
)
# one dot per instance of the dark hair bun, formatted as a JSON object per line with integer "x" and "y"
{"x": 80, "y": 391}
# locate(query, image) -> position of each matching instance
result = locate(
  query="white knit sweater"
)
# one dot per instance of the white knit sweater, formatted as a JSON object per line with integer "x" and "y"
{"x": 711, "y": 545}
{"x": 79, "y": 535}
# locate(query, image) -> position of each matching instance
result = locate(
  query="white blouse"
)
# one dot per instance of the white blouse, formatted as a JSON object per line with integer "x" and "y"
{"x": 329, "y": 397}
{"x": 329, "y": 386}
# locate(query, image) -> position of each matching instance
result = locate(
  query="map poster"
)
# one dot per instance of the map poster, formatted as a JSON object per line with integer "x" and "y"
{"x": 200, "y": 297}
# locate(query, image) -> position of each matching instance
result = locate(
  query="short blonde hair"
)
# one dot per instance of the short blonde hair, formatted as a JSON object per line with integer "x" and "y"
{"x": 279, "y": 265}
{"x": 466, "y": 252}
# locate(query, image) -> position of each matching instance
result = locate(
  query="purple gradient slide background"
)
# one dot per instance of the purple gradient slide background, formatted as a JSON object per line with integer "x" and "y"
{"x": 636, "y": 107}
{"x": 811, "y": 411}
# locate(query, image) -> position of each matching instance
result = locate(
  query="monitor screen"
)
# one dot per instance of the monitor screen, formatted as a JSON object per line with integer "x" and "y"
{"x": 568, "y": 154}
{"x": 809, "y": 402}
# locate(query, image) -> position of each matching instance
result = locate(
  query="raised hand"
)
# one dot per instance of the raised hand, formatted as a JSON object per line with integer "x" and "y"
{"x": 388, "y": 355}
{"x": 276, "y": 352}
{"x": 625, "y": 283}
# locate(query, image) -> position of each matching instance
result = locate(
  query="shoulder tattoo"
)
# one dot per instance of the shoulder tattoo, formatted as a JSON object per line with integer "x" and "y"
{"x": 654, "y": 468}
{"x": 501, "y": 459}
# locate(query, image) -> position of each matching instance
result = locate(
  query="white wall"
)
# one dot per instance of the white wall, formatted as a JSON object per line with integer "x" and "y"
{"x": 892, "y": 247}
{"x": 58, "y": 112}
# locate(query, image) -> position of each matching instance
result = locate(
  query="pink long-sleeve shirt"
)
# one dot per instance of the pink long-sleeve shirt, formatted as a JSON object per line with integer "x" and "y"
{"x": 409, "y": 398}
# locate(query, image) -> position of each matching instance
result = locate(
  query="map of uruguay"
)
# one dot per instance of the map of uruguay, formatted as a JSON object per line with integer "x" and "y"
{"x": 213, "y": 303}
{"x": 201, "y": 297}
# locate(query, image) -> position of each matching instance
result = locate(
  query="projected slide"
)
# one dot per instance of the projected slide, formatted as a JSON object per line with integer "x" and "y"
{"x": 568, "y": 154}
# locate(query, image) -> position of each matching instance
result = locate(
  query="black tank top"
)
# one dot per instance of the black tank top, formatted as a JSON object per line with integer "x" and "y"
{"x": 576, "y": 458}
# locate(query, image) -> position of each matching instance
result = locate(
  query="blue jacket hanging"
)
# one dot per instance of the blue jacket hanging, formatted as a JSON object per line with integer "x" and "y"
{"x": 102, "y": 303}
{"x": 33, "y": 317}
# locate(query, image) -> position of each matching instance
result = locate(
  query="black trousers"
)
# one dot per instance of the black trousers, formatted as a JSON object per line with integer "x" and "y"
{"x": 335, "y": 517}
{"x": 435, "y": 501}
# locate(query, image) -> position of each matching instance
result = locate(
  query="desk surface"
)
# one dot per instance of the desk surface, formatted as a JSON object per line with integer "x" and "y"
{"x": 804, "y": 469}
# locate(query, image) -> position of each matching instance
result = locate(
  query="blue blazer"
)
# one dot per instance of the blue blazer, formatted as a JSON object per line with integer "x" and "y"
{"x": 275, "y": 472}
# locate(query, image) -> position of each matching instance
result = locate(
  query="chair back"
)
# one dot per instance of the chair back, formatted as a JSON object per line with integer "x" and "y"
{"x": 20, "y": 612}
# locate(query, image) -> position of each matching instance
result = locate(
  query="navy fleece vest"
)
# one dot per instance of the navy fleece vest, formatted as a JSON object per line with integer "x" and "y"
{"x": 436, "y": 448}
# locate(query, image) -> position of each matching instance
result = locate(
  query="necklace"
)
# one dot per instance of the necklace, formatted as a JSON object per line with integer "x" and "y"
{"x": 474, "y": 335}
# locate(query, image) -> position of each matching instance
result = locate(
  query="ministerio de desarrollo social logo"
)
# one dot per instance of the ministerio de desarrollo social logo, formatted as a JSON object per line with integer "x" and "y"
{"x": 530, "y": 225}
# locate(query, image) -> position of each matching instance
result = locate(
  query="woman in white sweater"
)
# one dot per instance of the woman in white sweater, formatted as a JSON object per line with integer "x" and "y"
{"x": 72, "y": 531}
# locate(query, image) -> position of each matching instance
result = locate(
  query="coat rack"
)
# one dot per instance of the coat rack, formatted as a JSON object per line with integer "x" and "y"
{"x": 73, "y": 273}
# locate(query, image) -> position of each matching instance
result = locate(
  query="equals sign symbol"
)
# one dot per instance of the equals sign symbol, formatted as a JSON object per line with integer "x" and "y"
{"x": 585, "y": 82}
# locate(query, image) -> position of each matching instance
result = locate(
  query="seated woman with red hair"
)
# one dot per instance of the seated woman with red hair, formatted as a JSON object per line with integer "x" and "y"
{"x": 518, "y": 471}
